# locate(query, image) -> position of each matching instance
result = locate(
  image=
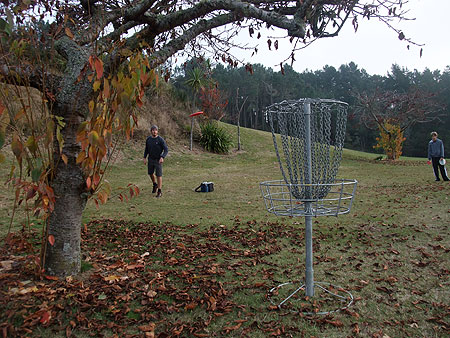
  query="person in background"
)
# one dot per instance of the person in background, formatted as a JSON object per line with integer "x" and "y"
{"x": 435, "y": 154}
{"x": 156, "y": 150}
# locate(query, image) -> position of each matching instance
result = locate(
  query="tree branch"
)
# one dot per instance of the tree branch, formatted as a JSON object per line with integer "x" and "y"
{"x": 180, "y": 42}
{"x": 28, "y": 75}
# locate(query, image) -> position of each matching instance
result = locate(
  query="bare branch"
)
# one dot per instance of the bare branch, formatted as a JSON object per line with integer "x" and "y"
{"x": 179, "y": 43}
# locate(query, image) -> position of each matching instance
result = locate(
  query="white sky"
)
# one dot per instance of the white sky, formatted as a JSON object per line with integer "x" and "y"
{"x": 374, "y": 46}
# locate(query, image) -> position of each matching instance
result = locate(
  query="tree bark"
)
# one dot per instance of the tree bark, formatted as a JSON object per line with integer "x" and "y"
{"x": 68, "y": 183}
{"x": 64, "y": 257}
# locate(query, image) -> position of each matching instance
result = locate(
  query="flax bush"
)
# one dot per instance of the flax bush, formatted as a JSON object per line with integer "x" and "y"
{"x": 214, "y": 138}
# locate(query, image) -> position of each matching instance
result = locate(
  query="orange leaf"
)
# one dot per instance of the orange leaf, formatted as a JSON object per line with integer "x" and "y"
{"x": 147, "y": 328}
{"x": 112, "y": 278}
{"x": 145, "y": 78}
{"x": 2, "y": 108}
{"x": 335, "y": 323}
{"x": 104, "y": 197}
{"x": 136, "y": 190}
{"x": 64, "y": 158}
{"x": 51, "y": 240}
{"x": 98, "y": 64}
{"x": 81, "y": 156}
{"x": 91, "y": 106}
{"x": 106, "y": 90}
{"x": 45, "y": 318}
{"x": 81, "y": 136}
{"x": 69, "y": 33}
{"x": 191, "y": 306}
{"x": 139, "y": 102}
{"x": 231, "y": 328}
{"x": 96, "y": 179}
{"x": 51, "y": 277}
{"x": 88, "y": 182}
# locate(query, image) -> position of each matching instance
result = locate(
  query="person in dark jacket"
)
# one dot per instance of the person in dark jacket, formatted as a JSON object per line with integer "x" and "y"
{"x": 435, "y": 154}
{"x": 156, "y": 150}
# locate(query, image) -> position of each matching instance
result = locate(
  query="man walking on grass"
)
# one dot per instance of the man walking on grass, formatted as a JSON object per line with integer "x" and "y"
{"x": 156, "y": 150}
{"x": 436, "y": 154}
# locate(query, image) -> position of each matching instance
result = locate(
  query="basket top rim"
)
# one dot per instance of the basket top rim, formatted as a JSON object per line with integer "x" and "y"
{"x": 303, "y": 101}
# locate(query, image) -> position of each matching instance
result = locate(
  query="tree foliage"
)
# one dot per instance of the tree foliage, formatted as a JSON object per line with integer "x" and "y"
{"x": 428, "y": 107}
{"x": 392, "y": 113}
{"x": 213, "y": 102}
{"x": 391, "y": 139}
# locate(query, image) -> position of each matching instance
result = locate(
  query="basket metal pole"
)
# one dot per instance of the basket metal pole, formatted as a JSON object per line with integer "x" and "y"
{"x": 309, "y": 277}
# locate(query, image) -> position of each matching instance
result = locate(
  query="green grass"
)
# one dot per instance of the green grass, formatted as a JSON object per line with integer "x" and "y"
{"x": 391, "y": 251}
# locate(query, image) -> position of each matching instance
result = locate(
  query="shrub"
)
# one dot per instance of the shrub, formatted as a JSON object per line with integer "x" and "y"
{"x": 214, "y": 138}
{"x": 391, "y": 139}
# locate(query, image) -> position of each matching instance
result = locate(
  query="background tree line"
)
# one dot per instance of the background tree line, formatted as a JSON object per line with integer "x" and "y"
{"x": 260, "y": 86}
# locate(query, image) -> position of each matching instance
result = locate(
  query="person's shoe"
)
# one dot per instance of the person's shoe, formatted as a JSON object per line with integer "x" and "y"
{"x": 159, "y": 194}
{"x": 155, "y": 187}
{"x": 437, "y": 180}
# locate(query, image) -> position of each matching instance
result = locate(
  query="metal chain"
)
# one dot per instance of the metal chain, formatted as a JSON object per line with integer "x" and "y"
{"x": 328, "y": 123}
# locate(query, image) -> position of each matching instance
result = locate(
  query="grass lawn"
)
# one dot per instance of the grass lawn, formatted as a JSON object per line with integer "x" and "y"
{"x": 200, "y": 265}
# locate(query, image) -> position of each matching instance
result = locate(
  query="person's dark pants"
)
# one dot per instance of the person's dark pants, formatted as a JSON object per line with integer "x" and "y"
{"x": 154, "y": 165}
{"x": 436, "y": 167}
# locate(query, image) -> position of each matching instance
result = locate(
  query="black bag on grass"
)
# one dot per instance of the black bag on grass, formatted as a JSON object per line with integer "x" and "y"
{"x": 205, "y": 187}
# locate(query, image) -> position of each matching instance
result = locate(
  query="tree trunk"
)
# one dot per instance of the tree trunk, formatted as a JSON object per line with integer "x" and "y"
{"x": 64, "y": 223}
{"x": 64, "y": 257}
{"x": 239, "y": 134}
{"x": 68, "y": 183}
{"x": 192, "y": 134}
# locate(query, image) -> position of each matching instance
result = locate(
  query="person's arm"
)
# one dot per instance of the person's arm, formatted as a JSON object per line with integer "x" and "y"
{"x": 442, "y": 149}
{"x": 145, "y": 152}
{"x": 165, "y": 149}
{"x": 429, "y": 151}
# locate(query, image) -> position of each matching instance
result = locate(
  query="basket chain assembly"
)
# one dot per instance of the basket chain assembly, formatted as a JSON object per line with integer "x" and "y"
{"x": 312, "y": 133}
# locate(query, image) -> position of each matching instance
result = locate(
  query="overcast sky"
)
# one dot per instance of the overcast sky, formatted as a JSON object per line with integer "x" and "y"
{"x": 374, "y": 46}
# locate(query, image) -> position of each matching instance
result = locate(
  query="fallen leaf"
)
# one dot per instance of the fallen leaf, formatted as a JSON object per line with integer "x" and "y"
{"x": 45, "y": 317}
{"x": 335, "y": 323}
{"x": 190, "y": 306}
{"x": 147, "y": 328}
{"x": 112, "y": 278}
{"x": 201, "y": 335}
{"x": 6, "y": 265}
{"x": 232, "y": 328}
{"x": 151, "y": 293}
{"x": 51, "y": 277}
{"x": 24, "y": 291}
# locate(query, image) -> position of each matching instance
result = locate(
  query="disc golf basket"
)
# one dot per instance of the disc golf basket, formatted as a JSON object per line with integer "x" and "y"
{"x": 311, "y": 133}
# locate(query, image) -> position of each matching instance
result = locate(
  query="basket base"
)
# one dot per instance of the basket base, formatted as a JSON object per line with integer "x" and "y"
{"x": 327, "y": 296}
